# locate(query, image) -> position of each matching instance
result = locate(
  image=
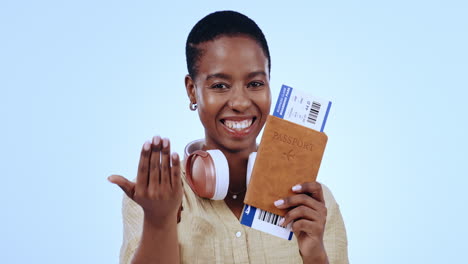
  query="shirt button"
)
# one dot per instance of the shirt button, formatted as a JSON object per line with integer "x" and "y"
{"x": 238, "y": 234}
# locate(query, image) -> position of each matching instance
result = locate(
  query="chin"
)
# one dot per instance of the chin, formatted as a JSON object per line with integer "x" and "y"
{"x": 238, "y": 144}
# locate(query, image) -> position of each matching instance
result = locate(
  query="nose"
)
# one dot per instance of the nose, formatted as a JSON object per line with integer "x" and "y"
{"x": 240, "y": 100}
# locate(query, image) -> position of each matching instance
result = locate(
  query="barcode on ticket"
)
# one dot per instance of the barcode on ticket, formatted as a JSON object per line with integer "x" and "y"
{"x": 269, "y": 217}
{"x": 314, "y": 112}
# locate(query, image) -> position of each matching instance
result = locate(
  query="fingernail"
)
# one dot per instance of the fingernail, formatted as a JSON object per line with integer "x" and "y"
{"x": 281, "y": 222}
{"x": 165, "y": 142}
{"x": 279, "y": 202}
{"x": 174, "y": 156}
{"x": 296, "y": 188}
{"x": 156, "y": 140}
{"x": 147, "y": 145}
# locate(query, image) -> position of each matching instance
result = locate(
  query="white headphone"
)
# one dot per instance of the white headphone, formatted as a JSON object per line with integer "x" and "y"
{"x": 207, "y": 172}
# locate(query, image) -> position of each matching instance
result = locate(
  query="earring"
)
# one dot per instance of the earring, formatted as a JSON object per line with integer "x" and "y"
{"x": 193, "y": 106}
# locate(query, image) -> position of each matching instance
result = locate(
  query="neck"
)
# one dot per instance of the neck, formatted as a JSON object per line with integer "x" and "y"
{"x": 237, "y": 170}
{"x": 237, "y": 161}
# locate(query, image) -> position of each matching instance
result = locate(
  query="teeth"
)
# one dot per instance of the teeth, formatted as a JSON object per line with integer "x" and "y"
{"x": 238, "y": 125}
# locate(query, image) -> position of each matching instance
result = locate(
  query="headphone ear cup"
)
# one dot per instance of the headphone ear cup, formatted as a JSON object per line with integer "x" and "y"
{"x": 200, "y": 173}
{"x": 250, "y": 165}
{"x": 221, "y": 168}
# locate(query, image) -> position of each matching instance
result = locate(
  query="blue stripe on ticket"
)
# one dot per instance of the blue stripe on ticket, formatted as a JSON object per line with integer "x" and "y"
{"x": 326, "y": 116}
{"x": 248, "y": 215}
{"x": 283, "y": 100}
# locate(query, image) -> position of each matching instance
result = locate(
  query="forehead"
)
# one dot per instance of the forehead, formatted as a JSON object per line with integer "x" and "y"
{"x": 231, "y": 55}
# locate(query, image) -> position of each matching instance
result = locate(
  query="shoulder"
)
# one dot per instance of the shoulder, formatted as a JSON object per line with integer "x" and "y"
{"x": 328, "y": 196}
{"x": 132, "y": 215}
{"x": 333, "y": 209}
{"x": 335, "y": 238}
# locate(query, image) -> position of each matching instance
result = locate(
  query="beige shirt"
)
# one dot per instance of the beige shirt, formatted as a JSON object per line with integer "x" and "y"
{"x": 210, "y": 233}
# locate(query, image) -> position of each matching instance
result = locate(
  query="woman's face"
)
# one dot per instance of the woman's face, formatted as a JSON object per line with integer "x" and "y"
{"x": 232, "y": 91}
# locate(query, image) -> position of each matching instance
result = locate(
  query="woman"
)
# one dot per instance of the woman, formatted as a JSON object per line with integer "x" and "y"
{"x": 228, "y": 83}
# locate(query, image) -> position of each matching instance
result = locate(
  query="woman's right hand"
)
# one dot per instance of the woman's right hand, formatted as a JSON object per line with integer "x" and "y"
{"x": 158, "y": 187}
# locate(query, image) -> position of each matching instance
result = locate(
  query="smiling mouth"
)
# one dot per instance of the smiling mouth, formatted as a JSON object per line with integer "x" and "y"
{"x": 238, "y": 125}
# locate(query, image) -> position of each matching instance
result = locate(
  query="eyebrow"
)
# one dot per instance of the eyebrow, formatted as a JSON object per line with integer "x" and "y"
{"x": 228, "y": 77}
{"x": 254, "y": 74}
{"x": 219, "y": 75}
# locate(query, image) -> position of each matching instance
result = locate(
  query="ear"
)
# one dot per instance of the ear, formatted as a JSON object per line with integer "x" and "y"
{"x": 190, "y": 87}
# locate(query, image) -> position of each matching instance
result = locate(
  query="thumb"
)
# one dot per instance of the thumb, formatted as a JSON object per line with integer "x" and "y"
{"x": 127, "y": 186}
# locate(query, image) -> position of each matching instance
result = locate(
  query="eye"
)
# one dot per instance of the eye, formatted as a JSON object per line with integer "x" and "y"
{"x": 219, "y": 86}
{"x": 255, "y": 84}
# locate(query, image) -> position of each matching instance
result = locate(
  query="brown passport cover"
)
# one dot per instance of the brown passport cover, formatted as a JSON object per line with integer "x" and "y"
{"x": 288, "y": 154}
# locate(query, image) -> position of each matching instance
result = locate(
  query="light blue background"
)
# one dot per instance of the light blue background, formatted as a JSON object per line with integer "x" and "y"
{"x": 85, "y": 83}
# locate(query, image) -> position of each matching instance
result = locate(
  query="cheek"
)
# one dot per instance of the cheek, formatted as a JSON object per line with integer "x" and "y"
{"x": 209, "y": 105}
{"x": 213, "y": 101}
{"x": 265, "y": 102}
{"x": 207, "y": 97}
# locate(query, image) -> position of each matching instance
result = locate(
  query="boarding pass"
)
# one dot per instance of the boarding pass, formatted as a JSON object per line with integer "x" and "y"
{"x": 303, "y": 109}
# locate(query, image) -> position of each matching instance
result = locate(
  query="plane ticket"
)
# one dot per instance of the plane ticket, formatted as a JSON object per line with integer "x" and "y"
{"x": 303, "y": 109}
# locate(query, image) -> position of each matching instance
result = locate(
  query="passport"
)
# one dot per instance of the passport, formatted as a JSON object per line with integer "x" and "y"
{"x": 288, "y": 154}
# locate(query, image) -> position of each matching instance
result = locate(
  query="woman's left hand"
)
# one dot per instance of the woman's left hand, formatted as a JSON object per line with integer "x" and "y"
{"x": 308, "y": 215}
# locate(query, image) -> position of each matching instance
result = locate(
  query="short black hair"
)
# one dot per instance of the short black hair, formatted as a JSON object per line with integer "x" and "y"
{"x": 218, "y": 24}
